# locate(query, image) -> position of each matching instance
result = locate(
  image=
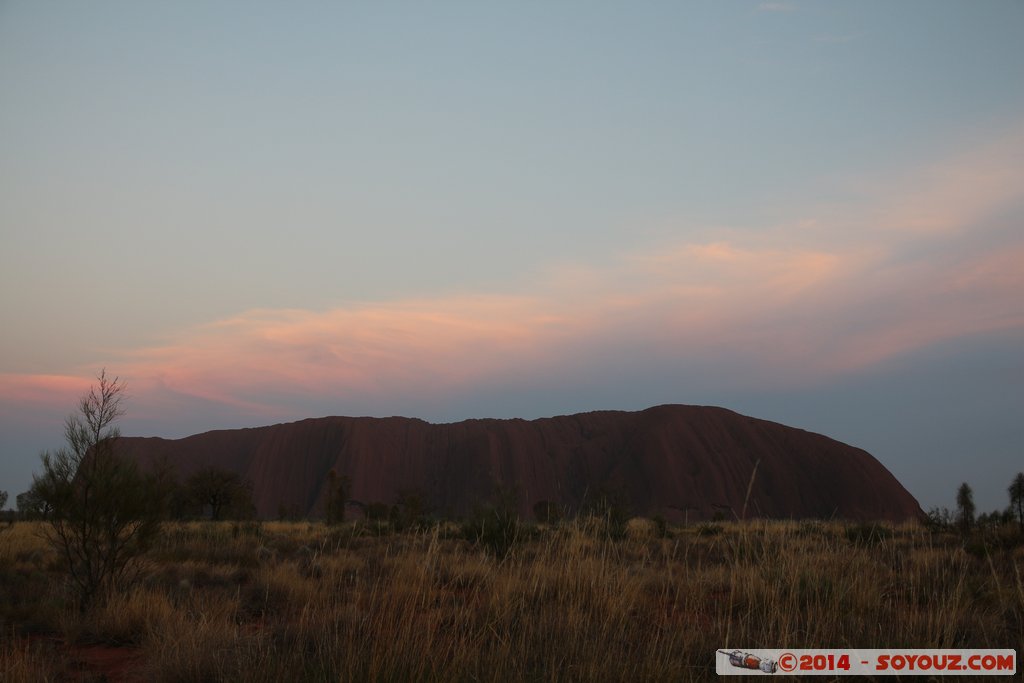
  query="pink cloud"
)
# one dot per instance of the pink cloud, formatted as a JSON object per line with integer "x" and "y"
{"x": 820, "y": 297}
{"x": 955, "y": 194}
{"x": 42, "y": 389}
{"x": 689, "y": 294}
{"x": 368, "y": 349}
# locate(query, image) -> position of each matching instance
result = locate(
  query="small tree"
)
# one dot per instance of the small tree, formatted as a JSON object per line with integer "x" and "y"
{"x": 103, "y": 512}
{"x": 30, "y": 505}
{"x": 1016, "y": 491}
{"x": 965, "y": 507}
{"x": 223, "y": 490}
{"x": 8, "y": 517}
{"x": 939, "y": 519}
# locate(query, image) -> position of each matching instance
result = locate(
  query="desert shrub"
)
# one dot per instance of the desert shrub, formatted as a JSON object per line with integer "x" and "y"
{"x": 810, "y": 528}
{"x": 495, "y": 526}
{"x": 938, "y": 520}
{"x": 209, "y": 542}
{"x": 546, "y": 512}
{"x": 377, "y": 512}
{"x": 127, "y": 618}
{"x": 251, "y": 529}
{"x": 868, "y": 533}
{"x": 410, "y": 511}
{"x": 988, "y": 541}
{"x": 660, "y": 526}
{"x": 376, "y": 519}
{"x": 492, "y": 530}
{"x": 641, "y": 529}
{"x": 611, "y": 508}
{"x": 288, "y": 512}
{"x": 976, "y": 546}
{"x": 27, "y": 595}
{"x": 709, "y": 529}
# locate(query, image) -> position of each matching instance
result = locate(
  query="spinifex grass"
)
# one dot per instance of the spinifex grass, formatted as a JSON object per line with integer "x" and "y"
{"x": 303, "y": 601}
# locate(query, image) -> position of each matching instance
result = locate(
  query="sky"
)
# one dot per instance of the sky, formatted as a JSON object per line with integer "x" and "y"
{"x": 808, "y": 212}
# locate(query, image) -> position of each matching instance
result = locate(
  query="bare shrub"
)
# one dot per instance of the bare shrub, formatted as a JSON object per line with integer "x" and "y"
{"x": 102, "y": 511}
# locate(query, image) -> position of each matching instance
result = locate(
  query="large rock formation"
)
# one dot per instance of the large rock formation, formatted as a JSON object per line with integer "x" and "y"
{"x": 663, "y": 460}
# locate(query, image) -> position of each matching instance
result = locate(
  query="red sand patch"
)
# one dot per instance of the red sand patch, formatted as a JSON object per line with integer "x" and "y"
{"x": 80, "y": 663}
{"x": 106, "y": 663}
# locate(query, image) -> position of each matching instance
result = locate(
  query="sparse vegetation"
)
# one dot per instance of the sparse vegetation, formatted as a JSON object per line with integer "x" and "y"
{"x": 101, "y": 511}
{"x": 271, "y": 601}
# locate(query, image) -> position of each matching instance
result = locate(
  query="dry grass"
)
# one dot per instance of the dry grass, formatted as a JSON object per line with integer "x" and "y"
{"x": 24, "y": 662}
{"x": 301, "y": 601}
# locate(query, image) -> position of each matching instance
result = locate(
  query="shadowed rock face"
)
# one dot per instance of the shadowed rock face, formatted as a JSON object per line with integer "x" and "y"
{"x": 662, "y": 460}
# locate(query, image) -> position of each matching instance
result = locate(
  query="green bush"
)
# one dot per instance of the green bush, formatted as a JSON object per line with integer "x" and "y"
{"x": 494, "y": 529}
{"x": 868, "y": 533}
{"x": 495, "y": 526}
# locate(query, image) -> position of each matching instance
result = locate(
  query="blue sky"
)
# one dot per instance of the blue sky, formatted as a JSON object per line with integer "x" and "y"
{"x": 255, "y": 212}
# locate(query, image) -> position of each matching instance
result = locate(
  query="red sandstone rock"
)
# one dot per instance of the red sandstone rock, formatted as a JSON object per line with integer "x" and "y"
{"x": 663, "y": 460}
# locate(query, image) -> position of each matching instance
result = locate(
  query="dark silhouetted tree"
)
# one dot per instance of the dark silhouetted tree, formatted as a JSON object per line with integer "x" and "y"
{"x": 939, "y": 519}
{"x": 102, "y": 511}
{"x": 1016, "y": 491}
{"x": 226, "y": 492}
{"x": 995, "y": 519}
{"x": 965, "y": 507}
{"x": 8, "y": 517}
{"x": 30, "y": 505}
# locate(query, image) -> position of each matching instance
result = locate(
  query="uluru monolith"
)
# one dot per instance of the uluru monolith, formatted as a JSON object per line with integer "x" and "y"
{"x": 670, "y": 460}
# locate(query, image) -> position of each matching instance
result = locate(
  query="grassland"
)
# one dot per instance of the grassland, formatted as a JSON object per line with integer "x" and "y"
{"x": 570, "y": 602}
